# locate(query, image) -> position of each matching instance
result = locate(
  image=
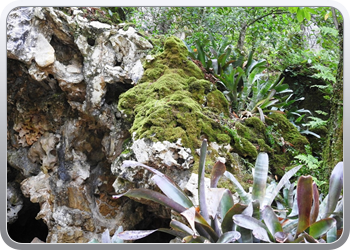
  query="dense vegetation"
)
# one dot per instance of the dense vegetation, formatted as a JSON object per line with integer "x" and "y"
{"x": 247, "y": 53}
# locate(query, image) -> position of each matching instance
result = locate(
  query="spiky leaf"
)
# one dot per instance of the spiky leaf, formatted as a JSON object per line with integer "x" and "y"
{"x": 284, "y": 180}
{"x": 335, "y": 188}
{"x": 165, "y": 183}
{"x": 240, "y": 190}
{"x": 201, "y": 183}
{"x": 147, "y": 194}
{"x": 260, "y": 177}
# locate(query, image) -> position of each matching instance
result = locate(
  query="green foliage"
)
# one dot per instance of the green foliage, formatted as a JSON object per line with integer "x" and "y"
{"x": 312, "y": 165}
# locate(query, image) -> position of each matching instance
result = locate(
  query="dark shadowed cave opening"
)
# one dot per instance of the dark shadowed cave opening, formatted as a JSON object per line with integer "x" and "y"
{"x": 26, "y": 227}
{"x": 151, "y": 222}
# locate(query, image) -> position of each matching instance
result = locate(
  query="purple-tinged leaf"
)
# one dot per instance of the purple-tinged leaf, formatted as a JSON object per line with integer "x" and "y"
{"x": 229, "y": 237}
{"x": 261, "y": 234}
{"x": 321, "y": 227}
{"x": 260, "y": 177}
{"x": 201, "y": 182}
{"x": 227, "y": 222}
{"x": 259, "y": 230}
{"x": 171, "y": 189}
{"x": 115, "y": 238}
{"x": 271, "y": 220}
{"x": 304, "y": 198}
{"x": 218, "y": 170}
{"x": 147, "y": 194}
{"x": 247, "y": 222}
{"x": 199, "y": 224}
{"x": 177, "y": 225}
{"x": 335, "y": 188}
{"x": 315, "y": 204}
{"x": 281, "y": 237}
{"x": 135, "y": 234}
{"x": 105, "y": 238}
{"x": 190, "y": 215}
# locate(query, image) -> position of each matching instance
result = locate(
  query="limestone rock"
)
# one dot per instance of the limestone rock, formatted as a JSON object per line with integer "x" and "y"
{"x": 171, "y": 159}
{"x": 65, "y": 74}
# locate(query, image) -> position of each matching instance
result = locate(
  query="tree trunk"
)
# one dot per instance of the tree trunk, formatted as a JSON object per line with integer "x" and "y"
{"x": 333, "y": 150}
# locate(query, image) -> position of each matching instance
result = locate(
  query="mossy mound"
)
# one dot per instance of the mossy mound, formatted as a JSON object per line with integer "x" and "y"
{"x": 287, "y": 142}
{"x": 171, "y": 100}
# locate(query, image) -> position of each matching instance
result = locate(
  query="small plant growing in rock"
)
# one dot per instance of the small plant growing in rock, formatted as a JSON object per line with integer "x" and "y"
{"x": 217, "y": 219}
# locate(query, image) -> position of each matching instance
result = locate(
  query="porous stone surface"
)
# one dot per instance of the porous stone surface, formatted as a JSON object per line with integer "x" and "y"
{"x": 65, "y": 73}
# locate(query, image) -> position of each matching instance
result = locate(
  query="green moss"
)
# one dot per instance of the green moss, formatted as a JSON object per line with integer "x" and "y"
{"x": 217, "y": 102}
{"x": 258, "y": 126}
{"x": 245, "y": 148}
{"x": 289, "y": 132}
{"x": 223, "y": 138}
{"x": 263, "y": 147}
{"x": 169, "y": 101}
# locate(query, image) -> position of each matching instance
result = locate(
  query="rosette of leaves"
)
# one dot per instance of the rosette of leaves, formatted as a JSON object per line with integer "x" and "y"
{"x": 209, "y": 221}
{"x": 312, "y": 222}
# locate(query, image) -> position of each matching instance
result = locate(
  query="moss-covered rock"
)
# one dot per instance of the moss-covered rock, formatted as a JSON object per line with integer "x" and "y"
{"x": 288, "y": 142}
{"x": 171, "y": 100}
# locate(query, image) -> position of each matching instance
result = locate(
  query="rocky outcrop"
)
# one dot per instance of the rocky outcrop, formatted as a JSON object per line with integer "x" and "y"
{"x": 65, "y": 73}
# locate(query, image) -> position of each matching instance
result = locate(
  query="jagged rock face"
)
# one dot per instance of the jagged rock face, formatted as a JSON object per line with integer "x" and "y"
{"x": 65, "y": 74}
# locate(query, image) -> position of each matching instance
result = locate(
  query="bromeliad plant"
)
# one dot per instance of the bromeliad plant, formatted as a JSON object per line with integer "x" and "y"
{"x": 217, "y": 219}
{"x": 313, "y": 222}
{"x": 205, "y": 221}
